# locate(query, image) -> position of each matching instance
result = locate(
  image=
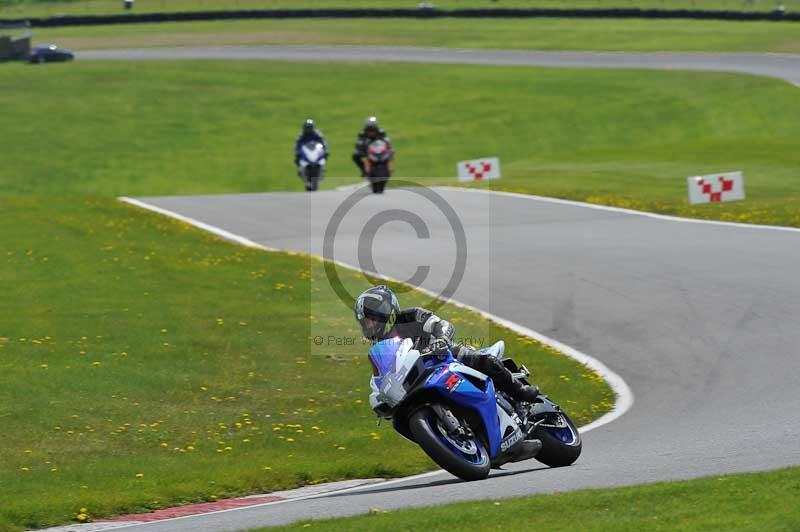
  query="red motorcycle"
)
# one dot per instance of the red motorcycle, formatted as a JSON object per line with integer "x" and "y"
{"x": 378, "y": 164}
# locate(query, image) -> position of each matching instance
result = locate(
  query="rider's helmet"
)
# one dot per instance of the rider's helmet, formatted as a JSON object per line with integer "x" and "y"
{"x": 376, "y": 311}
{"x": 371, "y": 127}
{"x": 308, "y": 126}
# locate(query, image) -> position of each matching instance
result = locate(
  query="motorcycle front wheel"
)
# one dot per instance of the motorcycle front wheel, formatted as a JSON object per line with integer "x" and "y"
{"x": 464, "y": 457}
{"x": 378, "y": 186}
{"x": 313, "y": 173}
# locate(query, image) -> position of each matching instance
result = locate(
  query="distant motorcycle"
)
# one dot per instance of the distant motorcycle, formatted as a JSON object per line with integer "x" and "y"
{"x": 311, "y": 164}
{"x": 378, "y": 164}
{"x": 455, "y": 414}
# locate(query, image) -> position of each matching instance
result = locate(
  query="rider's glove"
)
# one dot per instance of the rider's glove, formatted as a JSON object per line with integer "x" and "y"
{"x": 439, "y": 346}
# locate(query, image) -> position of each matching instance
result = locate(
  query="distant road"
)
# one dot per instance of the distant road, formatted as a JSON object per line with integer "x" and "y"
{"x": 786, "y": 67}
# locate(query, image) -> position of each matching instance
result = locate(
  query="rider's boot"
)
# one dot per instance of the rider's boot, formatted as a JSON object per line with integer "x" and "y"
{"x": 360, "y": 164}
{"x": 521, "y": 392}
{"x": 505, "y": 381}
{"x": 501, "y": 376}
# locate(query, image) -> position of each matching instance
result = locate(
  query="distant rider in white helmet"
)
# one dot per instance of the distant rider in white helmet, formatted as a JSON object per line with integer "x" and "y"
{"x": 309, "y": 133}
{"x": 369, "y": 133}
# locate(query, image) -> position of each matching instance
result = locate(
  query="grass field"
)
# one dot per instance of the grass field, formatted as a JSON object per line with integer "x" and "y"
{"x": 531, "y": 34}
{"x": 626, "y": 138}
{"x": 746, "y": 502}
{"x": 13, "y": 8}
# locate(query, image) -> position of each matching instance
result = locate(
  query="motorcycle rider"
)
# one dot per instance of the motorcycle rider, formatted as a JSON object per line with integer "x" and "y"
{"x": 379, "y": 314}
{"x": 309, "y": 133}
{"x": 369, "y": 133}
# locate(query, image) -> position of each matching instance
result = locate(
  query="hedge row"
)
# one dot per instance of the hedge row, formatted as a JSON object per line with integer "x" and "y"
{"x": 133, "y": 18}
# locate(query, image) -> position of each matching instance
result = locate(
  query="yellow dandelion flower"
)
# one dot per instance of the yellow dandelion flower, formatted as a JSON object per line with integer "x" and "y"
{"x": 139, "y": 475}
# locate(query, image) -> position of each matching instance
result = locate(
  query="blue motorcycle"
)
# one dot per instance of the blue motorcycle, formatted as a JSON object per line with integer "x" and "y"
{"x": 456, "y": 416}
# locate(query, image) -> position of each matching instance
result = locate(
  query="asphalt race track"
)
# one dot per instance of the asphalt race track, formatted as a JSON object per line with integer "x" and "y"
{"x": 786, "y": 67}
{"x": 702, "y": 320}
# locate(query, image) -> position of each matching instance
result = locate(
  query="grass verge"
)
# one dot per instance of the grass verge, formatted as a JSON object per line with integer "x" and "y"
{"x": 756, "y": 501}
{"x": 628, "y": 138}
{"x": 523, "y": 34}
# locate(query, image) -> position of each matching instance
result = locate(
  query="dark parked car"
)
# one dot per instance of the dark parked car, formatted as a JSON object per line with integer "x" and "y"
{"x": 48, "y": 53}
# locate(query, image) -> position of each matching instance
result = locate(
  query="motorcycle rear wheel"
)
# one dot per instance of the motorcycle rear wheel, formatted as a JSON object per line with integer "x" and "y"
{"x": 561, "y": 446}
{"x": 468, "y": 459}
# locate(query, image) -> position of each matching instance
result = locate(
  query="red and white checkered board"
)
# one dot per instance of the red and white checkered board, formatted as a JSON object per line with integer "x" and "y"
{"x": 479, "y": 169}
{"x": 716, "y": 187}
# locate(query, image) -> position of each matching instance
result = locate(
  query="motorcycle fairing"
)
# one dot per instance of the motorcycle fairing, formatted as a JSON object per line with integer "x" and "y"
{"x": 384, "y": 355}
{"x": 313, "y": 153}
{"x": 466, "y": 394}
{"x": 395, "y": 362}
{"x": 400, "y": 367}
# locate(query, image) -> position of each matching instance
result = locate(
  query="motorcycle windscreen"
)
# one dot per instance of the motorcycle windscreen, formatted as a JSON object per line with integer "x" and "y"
{"x": 384, "y": 354}
{"x": 313, "y": 151}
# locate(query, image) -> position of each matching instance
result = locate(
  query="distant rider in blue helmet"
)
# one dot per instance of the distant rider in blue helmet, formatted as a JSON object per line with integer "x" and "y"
{"x": 380, "y": 317}
{"x": 309, "y": 133}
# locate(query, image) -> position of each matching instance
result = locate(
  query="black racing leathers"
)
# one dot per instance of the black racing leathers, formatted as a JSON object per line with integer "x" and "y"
{"x": 424, "y": 327}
